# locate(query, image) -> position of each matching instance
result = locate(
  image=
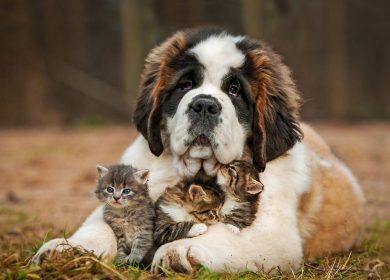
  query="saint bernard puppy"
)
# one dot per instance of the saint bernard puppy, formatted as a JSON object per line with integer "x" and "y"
{"x": 208, "y": 98}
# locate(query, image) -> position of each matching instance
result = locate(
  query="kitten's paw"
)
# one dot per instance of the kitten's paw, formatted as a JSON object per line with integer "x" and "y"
{"x": 197, "y": 229}
{"x": 129, "y": 260}
{"x": 233, "y": 228}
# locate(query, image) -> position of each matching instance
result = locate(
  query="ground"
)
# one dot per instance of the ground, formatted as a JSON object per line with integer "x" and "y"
{"x": 47, "y": 175}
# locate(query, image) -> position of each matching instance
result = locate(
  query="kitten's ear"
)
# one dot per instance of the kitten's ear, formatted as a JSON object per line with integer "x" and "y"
{"x": 141, "y": 176}
{"x": 254, "y": 186}
{"x": 196, "y": 193}
{"x": 102, "y": 170}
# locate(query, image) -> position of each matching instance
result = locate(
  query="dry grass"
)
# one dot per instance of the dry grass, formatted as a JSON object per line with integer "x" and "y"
{"x": 47, "y": 175}
{"x": 18, "y": 243}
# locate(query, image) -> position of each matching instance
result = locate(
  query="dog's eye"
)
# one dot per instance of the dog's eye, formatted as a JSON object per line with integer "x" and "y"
{"x": 186, "y": 85}
{"x": 234, "y": 88}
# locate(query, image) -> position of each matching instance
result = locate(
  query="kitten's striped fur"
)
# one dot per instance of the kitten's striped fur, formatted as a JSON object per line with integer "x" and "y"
{"x": 242, "y": 185}
{"x": 233, "y": 201}
{"x": 131, "y": 216}
{"x": 185, "y": 205}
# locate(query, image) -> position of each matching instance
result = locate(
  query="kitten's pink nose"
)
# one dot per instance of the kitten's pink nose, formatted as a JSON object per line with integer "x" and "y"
{"x": 116, "y": 198}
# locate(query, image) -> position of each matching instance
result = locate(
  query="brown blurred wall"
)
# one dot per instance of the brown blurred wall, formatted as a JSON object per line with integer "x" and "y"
{"x": 63, "y": 62}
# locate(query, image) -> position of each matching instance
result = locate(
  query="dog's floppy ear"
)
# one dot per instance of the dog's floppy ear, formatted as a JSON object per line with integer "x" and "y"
{"x": 148, "y": 110}
{"x": 275, "y": 121}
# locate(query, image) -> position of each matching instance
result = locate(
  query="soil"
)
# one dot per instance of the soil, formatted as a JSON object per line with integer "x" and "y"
{"x": 48, "y": 174}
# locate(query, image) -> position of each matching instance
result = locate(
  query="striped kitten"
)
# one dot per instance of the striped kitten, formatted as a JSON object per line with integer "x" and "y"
{"x": 128, "y": 209}
{"x": 186, "y": 209}
{"x": 241, "y": 183}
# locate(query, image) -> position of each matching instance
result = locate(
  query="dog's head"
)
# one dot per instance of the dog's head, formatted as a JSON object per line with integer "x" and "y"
{"x": 207, "y": 93}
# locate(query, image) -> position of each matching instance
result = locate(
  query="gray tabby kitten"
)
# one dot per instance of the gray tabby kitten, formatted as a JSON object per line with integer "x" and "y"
{"x": 128, "y": 209}
{"x": 188, "y": 208}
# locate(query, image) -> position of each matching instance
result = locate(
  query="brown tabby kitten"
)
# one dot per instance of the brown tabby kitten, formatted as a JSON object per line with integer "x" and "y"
{"x": 128, "y": 209}
{"x": 241, "y": 183}
{"x": 186, "y": 209}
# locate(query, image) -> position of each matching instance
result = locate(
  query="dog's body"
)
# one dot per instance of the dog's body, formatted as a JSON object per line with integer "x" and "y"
{"x": 209, "y": 98}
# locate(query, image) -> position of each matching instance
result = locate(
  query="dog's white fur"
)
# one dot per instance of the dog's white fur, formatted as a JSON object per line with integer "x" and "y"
{"x": 230, "y": 134}
{"x": 273, "y": 239}
{"x": 276, "y": 236}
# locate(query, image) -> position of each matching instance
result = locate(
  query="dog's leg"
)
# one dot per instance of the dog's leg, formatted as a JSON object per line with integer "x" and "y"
{"x": 94, "y": 235}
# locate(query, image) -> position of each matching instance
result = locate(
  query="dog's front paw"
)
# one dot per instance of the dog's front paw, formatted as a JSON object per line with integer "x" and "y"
{"x": 55, "y": 245}
{"x": 197, "y": 229}
{"x": 179, "y": 256}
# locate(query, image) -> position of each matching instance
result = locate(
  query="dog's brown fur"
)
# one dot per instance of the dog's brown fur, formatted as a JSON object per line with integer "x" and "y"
{"x": 276, "y": 119}
{"x": 325, "y": 228}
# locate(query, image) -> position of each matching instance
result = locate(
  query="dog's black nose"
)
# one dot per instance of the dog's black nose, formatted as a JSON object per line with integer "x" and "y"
{"x": 206, "y": 106}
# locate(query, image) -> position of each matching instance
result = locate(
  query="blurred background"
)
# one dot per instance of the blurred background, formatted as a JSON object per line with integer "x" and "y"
{"x": 70, "y": 62}
{"x": 69, "y": 73}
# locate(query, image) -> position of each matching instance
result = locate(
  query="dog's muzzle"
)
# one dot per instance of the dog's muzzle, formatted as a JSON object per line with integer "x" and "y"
{"x": 203, "y": 112}
{"x": 205, "y": 107}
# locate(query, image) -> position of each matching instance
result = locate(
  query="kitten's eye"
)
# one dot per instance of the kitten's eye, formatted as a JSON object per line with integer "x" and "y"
{"x": 186, "y": 85}
{"x": 126, "y": 191}
{"x": 110, "y": 189}
{"x": 234, "y": 88}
